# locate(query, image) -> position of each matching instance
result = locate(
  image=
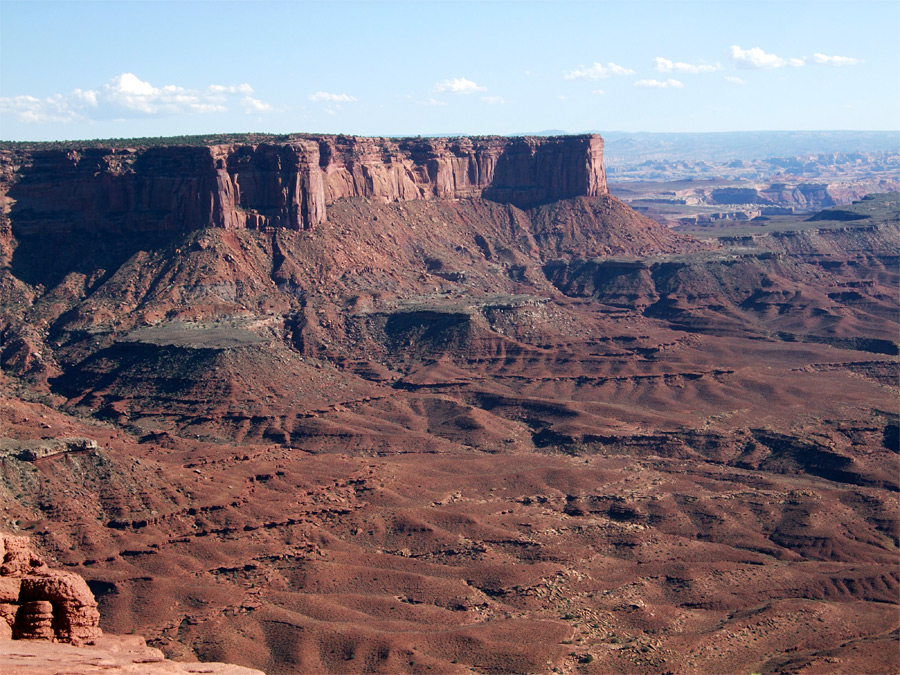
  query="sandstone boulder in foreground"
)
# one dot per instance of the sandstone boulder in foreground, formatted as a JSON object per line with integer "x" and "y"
{"x": 38, "y": 603}
{"x": 44, "y": 608}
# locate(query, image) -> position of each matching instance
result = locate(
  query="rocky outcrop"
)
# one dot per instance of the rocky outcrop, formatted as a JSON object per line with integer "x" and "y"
{"x": 108, "y": 654}
{"x": 33, "y": 450}
{"x": 41, "y": 608}
{"x": 288, "y": 185}
{"x": 37, "y": 603}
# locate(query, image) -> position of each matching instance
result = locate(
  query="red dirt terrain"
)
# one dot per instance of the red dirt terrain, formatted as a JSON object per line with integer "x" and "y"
{"x": 454, "y": 432}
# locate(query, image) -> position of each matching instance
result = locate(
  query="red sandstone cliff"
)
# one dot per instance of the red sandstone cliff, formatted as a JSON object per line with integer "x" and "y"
{"x": 289, "y": 185}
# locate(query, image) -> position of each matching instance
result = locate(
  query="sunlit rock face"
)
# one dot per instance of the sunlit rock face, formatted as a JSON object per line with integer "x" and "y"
{"x": 289, "y": 185}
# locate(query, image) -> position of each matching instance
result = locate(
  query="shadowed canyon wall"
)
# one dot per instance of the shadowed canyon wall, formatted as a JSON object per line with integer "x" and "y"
{"x": 290, "y": 185}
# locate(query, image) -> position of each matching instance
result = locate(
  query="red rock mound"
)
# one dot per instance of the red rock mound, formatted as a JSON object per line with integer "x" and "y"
{"x": 43, "y": 604}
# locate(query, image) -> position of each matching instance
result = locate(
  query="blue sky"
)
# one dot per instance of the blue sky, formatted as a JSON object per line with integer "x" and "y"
{"x": 75, "y": 69}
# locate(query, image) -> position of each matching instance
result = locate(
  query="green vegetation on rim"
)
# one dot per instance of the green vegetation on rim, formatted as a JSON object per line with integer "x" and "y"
{"x": 200, "y": 140}
{"x": 151, "y": 142}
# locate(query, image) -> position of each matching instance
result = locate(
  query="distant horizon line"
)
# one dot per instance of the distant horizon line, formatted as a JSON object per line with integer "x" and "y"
{"x": 545, "y": 132}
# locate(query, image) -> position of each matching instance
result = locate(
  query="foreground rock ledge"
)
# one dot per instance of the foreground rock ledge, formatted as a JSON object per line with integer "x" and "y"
{"x": 108, "y": 654}
{"x": 41, "y": 609}
{"x": 38, "y": 603}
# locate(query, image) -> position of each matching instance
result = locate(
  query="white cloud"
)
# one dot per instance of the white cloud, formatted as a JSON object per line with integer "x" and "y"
{"x": 88, "y": 97}
{"x": 130, "y": 94}
{"x": 431, "y": 101}
{"x": 325, "y": 97}
{"x": 756, "y": 58}
{"x": 656, "y": 84}
{"x": 597, "y": 71}
{"x": 599, "y": 92}
{"x": 254, "y": 105}
{"x": 56, "y": 109}
{"x": 493, "y": 100}
{"x": 34, "y": 110}
{"x": 457, "y": 85}
{"x": 666, "y": 66}
{"x": 130, "y": 84}
{"x": 245, "y": 89}
{"x": 734, "y": 80}
{"x": 619, "y": 70}
{"x": 126, "y": 96}
{"x": 823, "y": 60}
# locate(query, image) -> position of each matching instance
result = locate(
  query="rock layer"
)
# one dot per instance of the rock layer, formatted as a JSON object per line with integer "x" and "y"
{"x": 290, "y": 185}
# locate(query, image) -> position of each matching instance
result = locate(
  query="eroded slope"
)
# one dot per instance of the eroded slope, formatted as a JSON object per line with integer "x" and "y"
{"x": 459, "y": 436}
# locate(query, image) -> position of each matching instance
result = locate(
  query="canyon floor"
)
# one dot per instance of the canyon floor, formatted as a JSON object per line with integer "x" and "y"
{"x": 462, "y": 437}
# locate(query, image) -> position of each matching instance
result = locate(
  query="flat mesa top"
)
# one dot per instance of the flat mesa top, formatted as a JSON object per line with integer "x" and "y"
{"x": 198, "y": 336}
{"x": 256, "y": 139}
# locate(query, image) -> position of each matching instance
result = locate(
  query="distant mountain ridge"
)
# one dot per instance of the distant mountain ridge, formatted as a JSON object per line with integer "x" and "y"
{"x": 626, "y": 148}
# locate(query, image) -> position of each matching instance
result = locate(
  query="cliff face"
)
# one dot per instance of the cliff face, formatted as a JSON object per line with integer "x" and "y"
{"x": 284, "y": 186}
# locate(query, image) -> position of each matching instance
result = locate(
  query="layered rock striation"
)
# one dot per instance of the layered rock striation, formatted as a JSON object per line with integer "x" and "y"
{"x": 289, "y": 185}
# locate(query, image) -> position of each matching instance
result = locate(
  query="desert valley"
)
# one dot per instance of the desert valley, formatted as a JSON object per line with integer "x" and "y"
{"x": 339, "y": 404}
